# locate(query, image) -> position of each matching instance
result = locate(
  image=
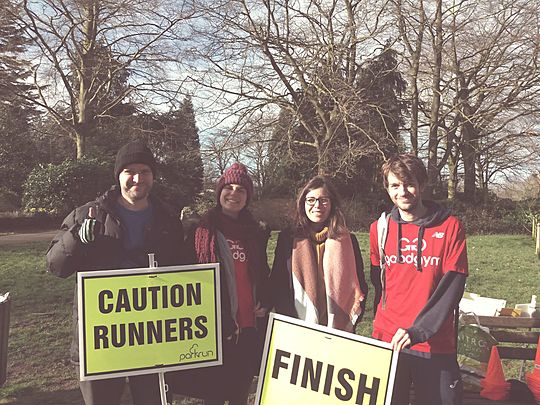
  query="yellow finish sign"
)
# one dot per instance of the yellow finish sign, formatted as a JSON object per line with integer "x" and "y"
{"x": 312, "y": 364}
{"x": 148, "y": 320}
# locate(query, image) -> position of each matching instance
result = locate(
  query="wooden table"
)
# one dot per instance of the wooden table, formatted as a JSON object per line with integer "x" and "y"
{"x": 508, "y": 331}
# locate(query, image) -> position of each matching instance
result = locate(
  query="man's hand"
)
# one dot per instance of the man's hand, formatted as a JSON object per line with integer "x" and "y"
{"x": 400, "y": 340}
{"x": 89, "y": 228}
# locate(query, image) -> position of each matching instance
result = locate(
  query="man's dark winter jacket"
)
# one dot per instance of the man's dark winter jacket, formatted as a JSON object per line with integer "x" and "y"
{"x": 67, "y": 254}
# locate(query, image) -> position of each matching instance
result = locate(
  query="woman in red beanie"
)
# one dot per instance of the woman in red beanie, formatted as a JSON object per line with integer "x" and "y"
{"x": 228, "y": 234}
{"x": 318, "y": 273}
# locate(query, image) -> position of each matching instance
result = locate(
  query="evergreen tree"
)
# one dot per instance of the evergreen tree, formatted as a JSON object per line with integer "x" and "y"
{"x": 13, "y": 69}
{"x": 175, "y": 141}
{"x": 289, "y": 165}
{"x": 17, "y": 150}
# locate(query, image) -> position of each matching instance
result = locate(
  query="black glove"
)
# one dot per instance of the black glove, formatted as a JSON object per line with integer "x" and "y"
{"x": 89, "y": 228}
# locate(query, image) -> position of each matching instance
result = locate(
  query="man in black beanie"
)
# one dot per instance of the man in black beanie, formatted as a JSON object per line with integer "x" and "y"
{"x": 118, "y": 230}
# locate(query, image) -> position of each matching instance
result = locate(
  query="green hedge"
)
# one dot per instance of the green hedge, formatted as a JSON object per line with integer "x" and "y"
{"x": 496, "y": 216}
{"x": 57, "y": 189}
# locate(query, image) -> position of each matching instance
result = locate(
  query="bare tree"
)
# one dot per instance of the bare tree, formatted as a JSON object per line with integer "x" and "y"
{"x": 519, "y": 187}
{"x": 411, "y": 19}
{"x": 89, "y": 56}
{"x": 302, "y": 57}
{"x": 503, "y": 158}
{"x": 247, "y": 144}
{"x": 218, "y": 151}
{"x": 479, "y": 85}
{"x": 497, "y": 83}
{"x": 254, "y": 141}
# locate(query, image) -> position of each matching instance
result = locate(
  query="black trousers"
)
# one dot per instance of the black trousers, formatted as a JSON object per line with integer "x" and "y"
{"x": 144, "y": 390}
{"x": 435, "y": 380}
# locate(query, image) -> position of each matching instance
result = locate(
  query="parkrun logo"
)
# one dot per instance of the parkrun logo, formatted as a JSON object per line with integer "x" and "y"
{"x": 194, "y": 354}
{"x": 408, "y": 254}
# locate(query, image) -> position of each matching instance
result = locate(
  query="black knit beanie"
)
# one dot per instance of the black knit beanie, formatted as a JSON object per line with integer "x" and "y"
{"x": 134, "y": 152}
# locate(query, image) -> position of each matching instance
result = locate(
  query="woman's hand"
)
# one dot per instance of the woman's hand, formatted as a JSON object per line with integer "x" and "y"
{"x": 259, "y": 311}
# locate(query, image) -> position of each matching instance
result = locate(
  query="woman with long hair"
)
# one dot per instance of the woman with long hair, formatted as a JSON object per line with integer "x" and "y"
{"x": 229, "y": 234}
{"x": 318, "y": 272}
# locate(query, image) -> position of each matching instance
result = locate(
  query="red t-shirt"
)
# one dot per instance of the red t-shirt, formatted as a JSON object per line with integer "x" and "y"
{"x": 408, "y": 290}
{"x": 244, "y": 289}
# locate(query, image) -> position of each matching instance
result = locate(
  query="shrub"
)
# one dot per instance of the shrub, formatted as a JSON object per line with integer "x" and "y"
{"x": 9, "y": 201}
{"x": 493, "y": 216}
{"x": 276, "y": 213}
{"x": 496, "y": 215}
{"x": 204, "y": 202}
{"x": 360, "y": 213}
{"x": 17, "y": 221}
{"x": 57, "y": 189}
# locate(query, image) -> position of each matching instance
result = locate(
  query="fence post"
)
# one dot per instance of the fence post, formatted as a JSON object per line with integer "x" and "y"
{"x": 538, "y": 240}
{"x": 4, "y": 334}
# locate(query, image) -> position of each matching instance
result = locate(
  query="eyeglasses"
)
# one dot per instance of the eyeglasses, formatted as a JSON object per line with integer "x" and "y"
{"x": 322, "y": 201}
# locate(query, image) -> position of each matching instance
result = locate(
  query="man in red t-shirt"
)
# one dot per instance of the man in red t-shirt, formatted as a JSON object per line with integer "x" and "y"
{"x": 418, "y": 267}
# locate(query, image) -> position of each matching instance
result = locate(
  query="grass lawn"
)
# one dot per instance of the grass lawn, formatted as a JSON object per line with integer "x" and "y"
{"x": 39, "y": 371}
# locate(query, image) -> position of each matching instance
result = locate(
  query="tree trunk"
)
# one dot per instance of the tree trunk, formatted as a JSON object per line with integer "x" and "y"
{"x": 80, "y": 141}
{"x": 452, "y": 177}
{"x": 432, "y": 169}
{"x": 414, "y": 47}
{"x": 469, "y": 158}
{"x": 414, "y": 118}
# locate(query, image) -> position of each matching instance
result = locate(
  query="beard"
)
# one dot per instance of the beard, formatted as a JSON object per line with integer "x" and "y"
{"x": 136, "y": 193}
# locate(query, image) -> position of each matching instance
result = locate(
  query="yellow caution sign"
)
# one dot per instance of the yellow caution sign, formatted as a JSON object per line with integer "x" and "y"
{"x": 312, "y": 364}
{"x": 148, "y": 320}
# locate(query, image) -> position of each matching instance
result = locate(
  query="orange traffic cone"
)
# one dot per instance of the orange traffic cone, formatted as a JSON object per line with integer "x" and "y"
{"x": 494, "y": 384}
{"x": 536, "y": 369}
{"x": 533, "y": 379}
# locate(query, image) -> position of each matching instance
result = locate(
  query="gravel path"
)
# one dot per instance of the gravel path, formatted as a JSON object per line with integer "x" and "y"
{"x": 21, "y": 238}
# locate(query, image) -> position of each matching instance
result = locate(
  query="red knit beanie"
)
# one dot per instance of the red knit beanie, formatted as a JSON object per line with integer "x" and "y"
{"x": 236, "y": 174}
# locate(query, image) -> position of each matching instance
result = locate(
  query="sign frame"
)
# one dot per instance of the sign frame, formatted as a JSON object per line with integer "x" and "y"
{"x": 275, "y": 318}
{"x": 151, "y": 272}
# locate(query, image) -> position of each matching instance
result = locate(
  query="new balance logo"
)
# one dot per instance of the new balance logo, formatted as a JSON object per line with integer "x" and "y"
{"x": 438, "y": 235}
